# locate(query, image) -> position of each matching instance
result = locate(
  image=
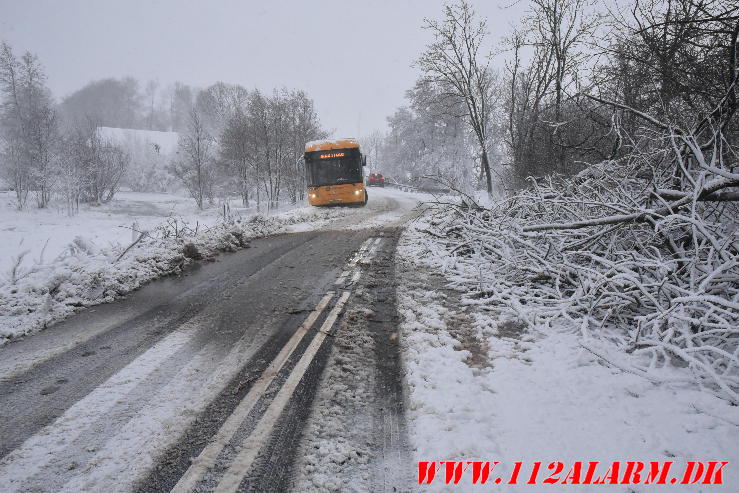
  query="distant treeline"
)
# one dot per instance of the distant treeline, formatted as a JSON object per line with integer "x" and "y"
{"x": 569, "y": 86}
{"x": 232, "y": 141}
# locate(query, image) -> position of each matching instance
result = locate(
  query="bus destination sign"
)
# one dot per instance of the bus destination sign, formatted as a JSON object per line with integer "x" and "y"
{"x": 332, "y": 155}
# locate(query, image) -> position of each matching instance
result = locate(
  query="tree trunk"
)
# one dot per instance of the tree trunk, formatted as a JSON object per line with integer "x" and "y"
{"x": 245, "y": 196}
{"x": 486, "y": 168}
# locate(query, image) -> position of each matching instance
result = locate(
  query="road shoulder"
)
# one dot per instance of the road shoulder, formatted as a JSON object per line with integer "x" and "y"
{"x": 355, "y": 438}
{"x": 482, "y": 388}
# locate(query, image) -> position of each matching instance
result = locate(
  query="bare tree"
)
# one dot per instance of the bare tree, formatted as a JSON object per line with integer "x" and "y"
{"x": 236, "y": 152}
{"x": 372, "y": 144}
{"x": 455, "y": 63}
{"x": 562, "y": 27}
{"x": 150, "y": 92}
{"x": 639, "y": 248}
{"x": 263, "y": 143}
{"x": 100, "y": 163}
{"x": 194, "y": 162}
{"x": 217, "y": 103}
{"x": 180, "y": 102}
{"x": 546, "y": 131}
{"x": 71, "y": 175}
{"x": 428, "y": 141}
{"x": 304, "y": 127}
{"x": 259, "y": 140}
{"x": 28, "y": 125}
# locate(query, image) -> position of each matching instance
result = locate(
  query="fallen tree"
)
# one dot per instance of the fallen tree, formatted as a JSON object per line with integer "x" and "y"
{"x": 642, "y": 251}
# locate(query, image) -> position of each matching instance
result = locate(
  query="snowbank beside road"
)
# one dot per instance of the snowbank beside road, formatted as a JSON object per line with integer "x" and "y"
{"x": 52, "y": 264}
{"x": 83, "y": 275}
{"x": 46, "y": 233}
{"x": 480, "y": 388}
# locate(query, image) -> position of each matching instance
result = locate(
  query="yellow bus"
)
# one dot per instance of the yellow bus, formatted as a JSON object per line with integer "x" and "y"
{"x": 333, "y": 172}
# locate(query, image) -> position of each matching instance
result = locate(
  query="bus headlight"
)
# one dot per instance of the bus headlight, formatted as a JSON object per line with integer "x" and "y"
{"x": 313, "y": 195}
{"x": 357, "y": 192}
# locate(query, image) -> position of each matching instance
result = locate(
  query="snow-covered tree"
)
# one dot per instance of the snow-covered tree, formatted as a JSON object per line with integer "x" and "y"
{"x": 263, "y": 141}
{"x": 28, "y": 126}
{"x": 194, "y": 162}
{"x": 456, "y": 64}
{"x": 428, "y": 139}
{"x": 100, "y": 162}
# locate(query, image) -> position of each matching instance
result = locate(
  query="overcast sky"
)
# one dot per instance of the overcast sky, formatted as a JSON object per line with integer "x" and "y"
{"x": 352, "y": 57}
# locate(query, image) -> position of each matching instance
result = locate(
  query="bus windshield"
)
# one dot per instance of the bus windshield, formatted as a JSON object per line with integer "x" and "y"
{"x": 333, "y": 171}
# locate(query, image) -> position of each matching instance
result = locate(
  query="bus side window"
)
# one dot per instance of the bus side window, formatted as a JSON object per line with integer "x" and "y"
{"x": 364, "y": 160}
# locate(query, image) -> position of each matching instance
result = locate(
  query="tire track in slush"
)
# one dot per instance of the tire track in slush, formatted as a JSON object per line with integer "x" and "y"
{"x": 209, "y": 455}
{"x": 251, "y": 446}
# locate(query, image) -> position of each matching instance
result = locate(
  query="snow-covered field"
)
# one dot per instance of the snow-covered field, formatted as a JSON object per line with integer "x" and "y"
{"x": 51, "y": 264}
{"x": 46, "y": 233}
{"x": 482, "y": 388}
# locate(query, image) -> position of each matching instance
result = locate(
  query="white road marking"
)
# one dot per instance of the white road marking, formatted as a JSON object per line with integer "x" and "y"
{"x": 47, "y": 449}
{"x": 209, "y": 455}
{"x": 342, "y": 277}
{"x": 16, "y": 363}
{"x": 357, "y": 257}
{"x": 360, "y": 252}
{"x": 135, "y": 446}
{"x": 254, "y": 442}
{"x": 373, "y": 251}
{"x": 51, "y": 441}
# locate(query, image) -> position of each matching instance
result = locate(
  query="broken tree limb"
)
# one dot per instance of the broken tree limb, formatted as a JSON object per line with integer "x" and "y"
{"x": 641, "y": 216}
{"x": 713, "y": 197}
{"x": 141, "y": 237}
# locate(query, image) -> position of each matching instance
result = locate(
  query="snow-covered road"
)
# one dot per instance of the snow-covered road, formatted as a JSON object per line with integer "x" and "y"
{"x": 327, "y": 355}
{"x": 220, "y": 364}
{"x": 51, "y": 265}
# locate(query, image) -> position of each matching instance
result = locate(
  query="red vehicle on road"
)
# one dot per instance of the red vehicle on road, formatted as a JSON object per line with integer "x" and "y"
{"x": 375, "y": 180}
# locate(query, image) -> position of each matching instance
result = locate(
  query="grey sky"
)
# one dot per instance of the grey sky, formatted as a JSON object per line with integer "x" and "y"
{"x": 352, "y": 57}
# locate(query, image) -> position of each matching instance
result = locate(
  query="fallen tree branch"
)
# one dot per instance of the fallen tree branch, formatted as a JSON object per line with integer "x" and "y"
{"x": 642, "y": 216}
{"x": 713, "y": 197}
{"x": 141, "y": 237}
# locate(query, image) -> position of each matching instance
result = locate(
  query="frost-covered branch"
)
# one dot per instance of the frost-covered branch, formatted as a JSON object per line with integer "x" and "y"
{"x": 659, "y": 278}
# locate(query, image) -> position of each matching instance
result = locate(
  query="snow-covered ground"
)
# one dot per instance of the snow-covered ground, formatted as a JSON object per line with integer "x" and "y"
{"x": 51, "y": 264}
{"x": 46, "y": 233}
{"x": 482, "y": 388}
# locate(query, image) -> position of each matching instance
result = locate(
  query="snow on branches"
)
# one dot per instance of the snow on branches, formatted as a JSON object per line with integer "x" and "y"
{"x": 642, "y": 251}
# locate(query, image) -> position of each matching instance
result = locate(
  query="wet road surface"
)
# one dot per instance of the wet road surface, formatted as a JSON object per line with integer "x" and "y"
{"x": 207, "y": 381}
